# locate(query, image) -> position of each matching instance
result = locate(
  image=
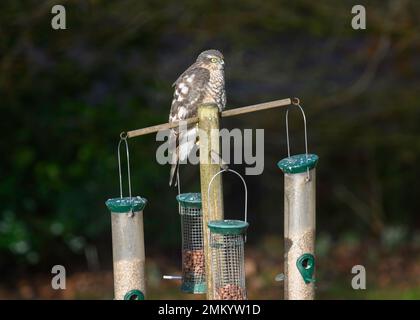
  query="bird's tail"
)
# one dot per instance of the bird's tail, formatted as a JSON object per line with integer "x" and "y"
{"x": 180, "y": 146}
{"x": 174, "y": 169}
{"x": 173, "y": 154}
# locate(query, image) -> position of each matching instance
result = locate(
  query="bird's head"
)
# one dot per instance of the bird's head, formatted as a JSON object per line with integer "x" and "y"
{"x": 213, "y": 59}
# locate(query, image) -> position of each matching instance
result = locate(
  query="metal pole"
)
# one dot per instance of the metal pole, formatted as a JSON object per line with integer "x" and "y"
{"x": 208, "y": 125}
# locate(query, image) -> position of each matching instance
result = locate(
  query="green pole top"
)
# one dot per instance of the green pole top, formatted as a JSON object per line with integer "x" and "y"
{"x": 123, "y": 205}
{"x": 298, "y": 163}
{"x": 228, "y": 227}
{"x": 189, "y": 200}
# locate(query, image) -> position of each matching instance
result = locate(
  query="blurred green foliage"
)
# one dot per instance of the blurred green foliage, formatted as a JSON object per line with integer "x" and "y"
{"x": 66, "y": 95}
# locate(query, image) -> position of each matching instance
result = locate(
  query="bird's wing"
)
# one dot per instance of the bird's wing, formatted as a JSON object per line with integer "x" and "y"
{"x": 189, "y": 92}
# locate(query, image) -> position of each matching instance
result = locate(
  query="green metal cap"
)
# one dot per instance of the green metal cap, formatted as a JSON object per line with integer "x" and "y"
{"x": 123, "y": 205}
{"x": 228, "y": 226}
{"x": 189, "y": 200}
{"x": 298, "y": 163}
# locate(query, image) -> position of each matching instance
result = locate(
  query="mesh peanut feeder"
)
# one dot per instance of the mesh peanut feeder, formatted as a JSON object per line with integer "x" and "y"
{"x": 193, "y": 266}
{"x": 227, "y": 241}
{"x": 127, "y": 240}
{"x": 299, "y": 221}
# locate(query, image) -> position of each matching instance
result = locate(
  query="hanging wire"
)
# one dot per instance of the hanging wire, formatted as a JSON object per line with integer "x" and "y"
{"x": 245, "y": 188}
{"x": 179, "y": 186}
{"x": 296, "y": 102}
{"x": 123, "y": 137}
{"x": 178, "y": 181}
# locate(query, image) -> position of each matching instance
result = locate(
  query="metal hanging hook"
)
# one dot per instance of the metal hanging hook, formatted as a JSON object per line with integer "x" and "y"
{"x": 245, "y": 189}
{"x": 296, "y": 102}
{"x": 123, "y": 137}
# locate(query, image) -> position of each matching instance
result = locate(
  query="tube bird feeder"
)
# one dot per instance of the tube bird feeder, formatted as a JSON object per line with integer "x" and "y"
{"x": 193, "y": 264}
{"x": 128, "y": 247}
{"x": 299, "y": 221}
{"x": 127, "y": 241}
{"x": 227, "y": 242}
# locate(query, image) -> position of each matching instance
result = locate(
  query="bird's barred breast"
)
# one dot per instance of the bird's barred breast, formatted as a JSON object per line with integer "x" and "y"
{"x": 215, "y": 89}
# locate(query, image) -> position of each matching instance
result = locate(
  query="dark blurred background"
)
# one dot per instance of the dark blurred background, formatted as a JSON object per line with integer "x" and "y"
{"x": 66, "y": 95}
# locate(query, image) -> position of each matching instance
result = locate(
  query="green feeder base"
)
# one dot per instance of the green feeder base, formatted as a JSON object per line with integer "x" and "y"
{"x": 134, "y": 295}
{"x": 197, "y": 288}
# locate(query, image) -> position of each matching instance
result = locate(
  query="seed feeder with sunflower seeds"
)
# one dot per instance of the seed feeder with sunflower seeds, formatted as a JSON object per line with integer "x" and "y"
{"x": 227, "y": 241}
{"x": 127, "y": 240}
{"x": 299, "y": 220}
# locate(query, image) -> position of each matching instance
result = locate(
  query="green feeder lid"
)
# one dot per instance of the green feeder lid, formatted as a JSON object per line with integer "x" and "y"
{"x": 123, "y": 205}
{"x": 298, "y": 163}
{"x": 228, "y": 226}
{"x": 189, "y": 200}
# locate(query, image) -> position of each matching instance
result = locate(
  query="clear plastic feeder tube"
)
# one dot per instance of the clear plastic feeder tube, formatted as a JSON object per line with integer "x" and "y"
{"x": 128, "y": 247}
{"x": 299, "y": 226}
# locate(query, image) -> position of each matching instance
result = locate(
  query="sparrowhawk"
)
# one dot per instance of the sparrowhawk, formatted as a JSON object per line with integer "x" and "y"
{"x": 203, "y": 82}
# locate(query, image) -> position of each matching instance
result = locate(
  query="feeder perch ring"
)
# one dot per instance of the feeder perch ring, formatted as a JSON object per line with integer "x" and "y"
{"x": 134, "y": 295}
{"x": 306, "y": 266}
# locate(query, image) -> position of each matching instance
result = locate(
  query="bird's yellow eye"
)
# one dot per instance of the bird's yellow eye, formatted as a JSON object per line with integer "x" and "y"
{"x": 214, "y": 59}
